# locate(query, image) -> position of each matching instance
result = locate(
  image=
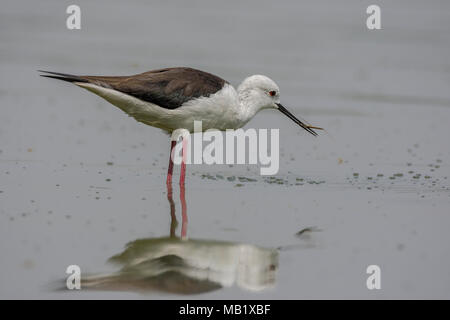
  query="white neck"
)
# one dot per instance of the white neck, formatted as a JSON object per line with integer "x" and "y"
{"x": 250, "y": 104}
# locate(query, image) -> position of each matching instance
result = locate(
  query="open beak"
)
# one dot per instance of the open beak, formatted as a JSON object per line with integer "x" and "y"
{"x": 293, "y": 118}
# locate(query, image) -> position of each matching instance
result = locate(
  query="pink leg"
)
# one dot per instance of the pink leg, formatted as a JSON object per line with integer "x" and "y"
{"x": 183, "y": 213}
{"x": 173, "y": 217}
{"x": 170, "y": 170}
{"x": 182, "y": 191}
{"x": 183, "y": 162}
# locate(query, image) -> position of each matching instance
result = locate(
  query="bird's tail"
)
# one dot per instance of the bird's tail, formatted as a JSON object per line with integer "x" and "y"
{"x": 62, "y": 76}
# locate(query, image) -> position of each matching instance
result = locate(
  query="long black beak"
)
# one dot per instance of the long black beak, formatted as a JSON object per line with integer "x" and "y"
{"x": 293, "y": 118}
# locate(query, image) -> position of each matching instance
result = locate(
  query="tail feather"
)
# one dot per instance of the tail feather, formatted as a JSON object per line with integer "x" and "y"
{"x": 62, "y": 76}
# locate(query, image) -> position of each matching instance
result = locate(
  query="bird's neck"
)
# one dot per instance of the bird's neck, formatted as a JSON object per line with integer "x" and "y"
{"x": 249, "y": 105}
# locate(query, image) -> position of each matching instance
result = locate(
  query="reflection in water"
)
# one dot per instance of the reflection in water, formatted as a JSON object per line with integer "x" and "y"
{"x": 179, "y": 265}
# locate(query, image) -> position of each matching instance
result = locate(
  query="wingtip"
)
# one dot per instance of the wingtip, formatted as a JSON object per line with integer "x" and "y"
{"x": 45, "y": 71}
{"x": 62, "y": 76}
{"x": 55, "y": 77}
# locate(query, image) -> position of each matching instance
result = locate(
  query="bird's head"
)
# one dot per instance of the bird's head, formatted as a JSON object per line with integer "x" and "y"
{"x": 260, "y": 92}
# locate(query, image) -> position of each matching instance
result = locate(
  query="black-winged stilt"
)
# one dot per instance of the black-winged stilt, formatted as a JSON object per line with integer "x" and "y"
{"x": 173, "y": 98}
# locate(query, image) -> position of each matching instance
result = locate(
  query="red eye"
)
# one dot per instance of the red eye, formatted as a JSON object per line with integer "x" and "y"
{"x": 272, "y": 93}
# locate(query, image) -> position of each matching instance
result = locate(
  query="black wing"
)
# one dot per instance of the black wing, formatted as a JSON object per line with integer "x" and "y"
{"x": 168, "y": 88}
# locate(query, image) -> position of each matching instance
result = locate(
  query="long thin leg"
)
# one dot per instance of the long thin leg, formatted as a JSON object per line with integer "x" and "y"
{"x": 173, "y": 217}
{"x": 182, "y": 191}
{"x": 184, "y": 219}
{"x": 183, "y": 162}
{"x": 170, "y": 170}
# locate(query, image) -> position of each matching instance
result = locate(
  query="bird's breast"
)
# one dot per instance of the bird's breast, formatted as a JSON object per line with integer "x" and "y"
{"x": 219, "y": 111}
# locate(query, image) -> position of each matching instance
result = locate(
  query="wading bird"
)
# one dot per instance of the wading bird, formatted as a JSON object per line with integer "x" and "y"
{"x": 173, "y": 98}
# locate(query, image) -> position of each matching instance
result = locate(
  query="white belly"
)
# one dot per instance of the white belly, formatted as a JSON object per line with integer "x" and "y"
{"x": 219, "y": 111}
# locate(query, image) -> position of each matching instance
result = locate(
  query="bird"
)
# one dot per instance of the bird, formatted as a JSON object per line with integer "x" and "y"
{"x": 173, "y": 265}
{"x": 173, "y": 98}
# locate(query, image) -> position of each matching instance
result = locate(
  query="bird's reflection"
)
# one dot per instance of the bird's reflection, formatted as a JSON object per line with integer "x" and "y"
{"x": 187, "y": 266}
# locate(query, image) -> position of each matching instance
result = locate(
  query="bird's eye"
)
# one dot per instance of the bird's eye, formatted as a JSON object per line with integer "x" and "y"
{"x": 272, "y": 93}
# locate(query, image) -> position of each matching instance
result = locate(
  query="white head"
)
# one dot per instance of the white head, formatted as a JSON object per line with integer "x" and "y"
{"x": 259, "y": 92}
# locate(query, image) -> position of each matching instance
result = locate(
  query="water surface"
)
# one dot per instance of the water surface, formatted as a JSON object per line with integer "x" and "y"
{"x": 79, "y": 180}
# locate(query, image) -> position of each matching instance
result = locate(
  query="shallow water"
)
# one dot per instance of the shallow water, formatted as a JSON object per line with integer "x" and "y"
{"x": 79, "y": 180}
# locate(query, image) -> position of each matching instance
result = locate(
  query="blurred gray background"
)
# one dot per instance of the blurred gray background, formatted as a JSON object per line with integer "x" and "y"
{"x": 79, "y": 179}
